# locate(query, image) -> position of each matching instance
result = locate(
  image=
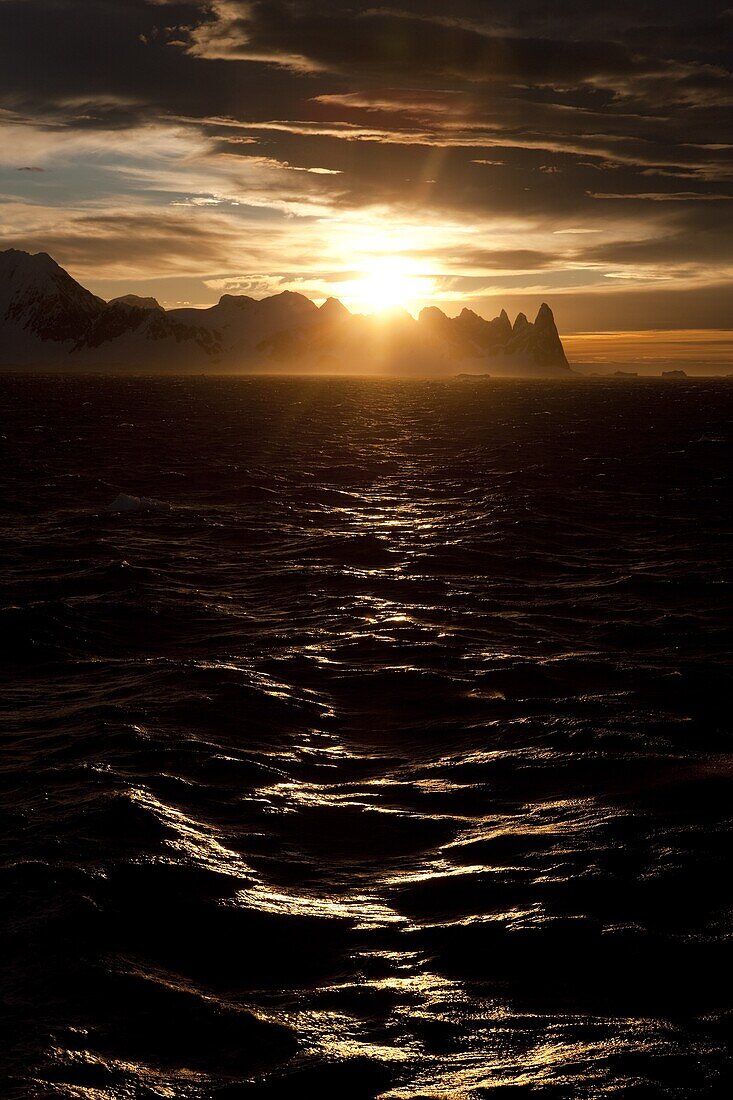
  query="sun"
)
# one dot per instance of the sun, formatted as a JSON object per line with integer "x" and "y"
{"x": 386, "y": 270}
{"x": 383, "y": 264}
{"x": 387, "y": 283}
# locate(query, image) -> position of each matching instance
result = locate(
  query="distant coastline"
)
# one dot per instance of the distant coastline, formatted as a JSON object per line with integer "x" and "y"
{"x": 50, "y": 321}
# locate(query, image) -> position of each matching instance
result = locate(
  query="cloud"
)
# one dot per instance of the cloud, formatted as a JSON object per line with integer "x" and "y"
{"x": 257, "y": 132}
{"x": 664, "y": 196}
{"x": 118, "y": 243}
{"x": 394, "y": 44}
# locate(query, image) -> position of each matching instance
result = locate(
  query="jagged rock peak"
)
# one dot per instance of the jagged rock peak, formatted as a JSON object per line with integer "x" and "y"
{"x": 520, "y": 323}
{"x": 544, "y": 318}
{"x": 334, "y": 310}
{"x": 431, "y": 314}
{"x": 502, "y": 325}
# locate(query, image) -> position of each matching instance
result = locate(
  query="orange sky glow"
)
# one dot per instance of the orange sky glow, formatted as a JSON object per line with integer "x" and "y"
{"x": 499, "y": 156}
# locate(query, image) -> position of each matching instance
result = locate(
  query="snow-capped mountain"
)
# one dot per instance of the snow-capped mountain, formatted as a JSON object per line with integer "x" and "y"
{"x": 536, "y": 345}
{"x": 41, "y": 300}
{"x": 48, "y": 319}
{"x": 241, "y": 323}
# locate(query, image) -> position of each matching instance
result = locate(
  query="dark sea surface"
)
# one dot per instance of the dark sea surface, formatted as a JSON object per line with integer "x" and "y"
{"x": 375, "y": 743}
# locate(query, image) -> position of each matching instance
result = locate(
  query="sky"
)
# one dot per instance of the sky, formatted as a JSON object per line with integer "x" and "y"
{"x": 478, "y": 153}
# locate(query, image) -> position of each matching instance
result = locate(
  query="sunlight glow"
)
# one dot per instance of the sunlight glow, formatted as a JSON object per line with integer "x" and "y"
{"x": 388, "y": 282}
{"x": 387, "y": 268}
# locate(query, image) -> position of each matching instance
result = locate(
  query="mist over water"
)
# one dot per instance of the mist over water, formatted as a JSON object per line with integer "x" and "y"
{"x": 366, "y": 738}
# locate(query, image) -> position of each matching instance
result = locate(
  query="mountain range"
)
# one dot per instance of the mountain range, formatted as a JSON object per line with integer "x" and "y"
{"x": 47, "y": 319}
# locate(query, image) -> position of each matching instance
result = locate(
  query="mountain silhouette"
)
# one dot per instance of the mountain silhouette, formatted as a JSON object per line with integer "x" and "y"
{"x": 47, "y": 319}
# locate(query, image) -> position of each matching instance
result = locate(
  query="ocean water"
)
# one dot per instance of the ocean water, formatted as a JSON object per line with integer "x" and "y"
{"x": 366, "y": 739}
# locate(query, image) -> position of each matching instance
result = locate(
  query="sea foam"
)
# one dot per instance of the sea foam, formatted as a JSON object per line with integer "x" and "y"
{"x": 124, "y": 502}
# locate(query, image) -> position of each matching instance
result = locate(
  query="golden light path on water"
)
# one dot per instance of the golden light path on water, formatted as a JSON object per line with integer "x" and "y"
{"x": 420, "y": 998}
{"x": 398, "y": 1007}
{"x": 420, "y": 995}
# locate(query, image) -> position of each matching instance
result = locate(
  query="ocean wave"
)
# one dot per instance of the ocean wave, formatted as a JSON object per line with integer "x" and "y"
{"x": 376, "y": 747}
